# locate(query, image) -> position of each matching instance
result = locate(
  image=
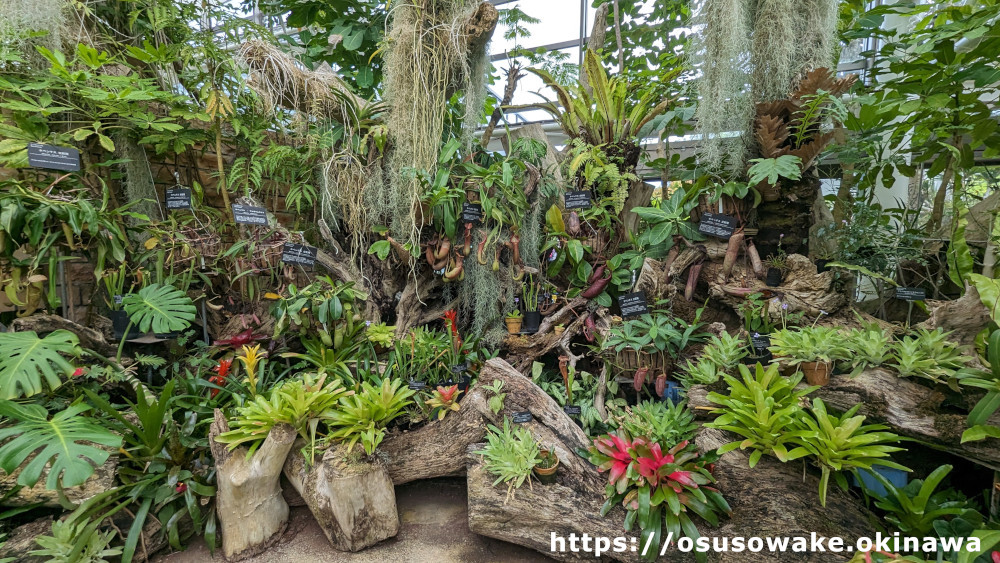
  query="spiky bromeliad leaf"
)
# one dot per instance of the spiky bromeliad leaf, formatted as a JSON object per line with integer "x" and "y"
{"x": 64, "y": 443}
{"x": 26, "y": 360}
{"x": 160, "y": 308}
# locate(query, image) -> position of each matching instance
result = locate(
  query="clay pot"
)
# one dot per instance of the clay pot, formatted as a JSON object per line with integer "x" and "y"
{"x": 547, "y": 475}
{"x": 514, "y": 324}
{"x": 559, "y": 330}
{"x": 816, "y": 373}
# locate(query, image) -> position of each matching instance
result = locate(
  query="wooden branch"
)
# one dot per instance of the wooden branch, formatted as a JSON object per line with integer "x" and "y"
{"x": 252, "y": 512}
{"x": 44, "y": 324}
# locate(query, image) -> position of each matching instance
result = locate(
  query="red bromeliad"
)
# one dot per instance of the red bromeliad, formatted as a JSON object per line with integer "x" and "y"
{"x": 659, "y": 489}
{"x": 617, "y": 449}
{"x": 241, "y": 339}
{"x": 222, "y": 372}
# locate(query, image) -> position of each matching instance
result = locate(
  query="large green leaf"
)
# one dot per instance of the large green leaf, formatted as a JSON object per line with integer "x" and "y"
{"x": 160, "y": 308}
{"x": 989, "y": 293}
{"x": 960, "y": 262}
{"x": 26, "y": 360}
{"x": 64, "y": 443}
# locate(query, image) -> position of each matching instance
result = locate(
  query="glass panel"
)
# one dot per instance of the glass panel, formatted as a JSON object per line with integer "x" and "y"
{"x": 560, "y": 21}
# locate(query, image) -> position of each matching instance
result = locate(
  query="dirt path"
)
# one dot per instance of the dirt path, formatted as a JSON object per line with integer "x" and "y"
{"x": 433, "y": 528}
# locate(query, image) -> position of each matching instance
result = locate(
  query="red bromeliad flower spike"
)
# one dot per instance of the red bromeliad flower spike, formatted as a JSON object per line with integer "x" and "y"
{"x": 222, "y": 371}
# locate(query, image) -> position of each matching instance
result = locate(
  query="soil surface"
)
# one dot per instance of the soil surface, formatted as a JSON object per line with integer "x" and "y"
{"x": 434, "y": 527}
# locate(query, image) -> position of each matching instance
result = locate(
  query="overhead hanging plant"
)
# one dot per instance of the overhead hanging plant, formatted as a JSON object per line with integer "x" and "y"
{"x": 766, "y": 44}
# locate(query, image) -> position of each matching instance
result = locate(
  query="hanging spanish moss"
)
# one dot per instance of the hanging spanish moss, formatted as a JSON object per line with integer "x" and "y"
{"x": 754, "y": 51}
{"x": 774, "y": 34}
{"x": 816, "y": 32}
{"x": 20, "y": 20}
{"x": 724, "y": 105}
{"x": 138, "y": 178}
{"x": 485, "y": 292}
{"x": 427, "y": 56}
{"x": 475, "y": 94}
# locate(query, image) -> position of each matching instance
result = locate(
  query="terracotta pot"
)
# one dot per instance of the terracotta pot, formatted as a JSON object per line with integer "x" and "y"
{"x": 559, "y": 330}
{"x": 816, "y": 373}
{"x": 514, "y": 324}
{"x": 547, "y": 475}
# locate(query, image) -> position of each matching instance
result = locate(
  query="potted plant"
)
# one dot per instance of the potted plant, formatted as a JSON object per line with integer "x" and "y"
{"x": 532, "y": 318}
{"x": 381, "y": 336}
{"x": 514, "y": 320}
{"x": 813, "y": 350}
{"x": 756, "y": 313}
{"x": 777, "y": 264}
{"x": 546, "y": 467}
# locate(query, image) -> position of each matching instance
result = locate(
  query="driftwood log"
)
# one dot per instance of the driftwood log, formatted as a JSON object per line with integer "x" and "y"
{"x": 44, "y": 324}
{"x": 252, "y": 513}
{"x": 773, "y": 498}
{"x": 353, "y": 501}
{"x": 908, "y": 408}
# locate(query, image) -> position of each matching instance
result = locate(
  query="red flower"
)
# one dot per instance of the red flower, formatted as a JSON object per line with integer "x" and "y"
{"x": 181, "y": 487}
{"x": 995, "y": 556}
{"x": 450, "y": 319}
{"x": 79, "y": 372}
{"x": 223, "y": 371}
{"x": 618, "y": 450}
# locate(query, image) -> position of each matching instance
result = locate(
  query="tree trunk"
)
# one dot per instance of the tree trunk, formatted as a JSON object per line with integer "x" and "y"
{"x": 252, "y": 512}
{"x": 353, "y": 501}
{"x": 791, "y": 215}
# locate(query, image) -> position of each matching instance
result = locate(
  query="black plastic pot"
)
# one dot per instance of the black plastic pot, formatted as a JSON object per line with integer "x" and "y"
{"x": 119, "y": 323}
{"x": 773, "y": 278}
{"x": 531, "y": 321}
{"x": 821, "y": 265}
{"x": 763, "y": 357}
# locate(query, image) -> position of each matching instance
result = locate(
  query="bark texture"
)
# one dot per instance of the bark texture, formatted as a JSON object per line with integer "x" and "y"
{"x": 252, "y": 512}
{"x": 353, "y": 502}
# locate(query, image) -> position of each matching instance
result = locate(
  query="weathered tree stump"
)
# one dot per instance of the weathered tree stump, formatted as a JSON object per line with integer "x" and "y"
{"x": 353, "y": 501}
{"x": 252, "y": 512}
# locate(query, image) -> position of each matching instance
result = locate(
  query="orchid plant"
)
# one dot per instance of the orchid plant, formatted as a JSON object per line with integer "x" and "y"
{"x": 657, "y": 489}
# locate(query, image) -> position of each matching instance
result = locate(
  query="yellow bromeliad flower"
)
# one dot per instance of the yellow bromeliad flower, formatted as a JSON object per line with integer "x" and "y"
{"x": 250, "y": 358}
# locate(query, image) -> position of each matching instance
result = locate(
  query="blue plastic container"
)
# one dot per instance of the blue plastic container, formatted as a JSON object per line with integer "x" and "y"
{"x": 673, "y": 392}
{"x": 897, "y": 477}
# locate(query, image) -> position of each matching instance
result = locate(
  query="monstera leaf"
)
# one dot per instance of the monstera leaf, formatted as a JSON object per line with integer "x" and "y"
{"x": 65, "y": 443}
{"x": 160, "y": 308}
{"x": 26, "y": 360}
